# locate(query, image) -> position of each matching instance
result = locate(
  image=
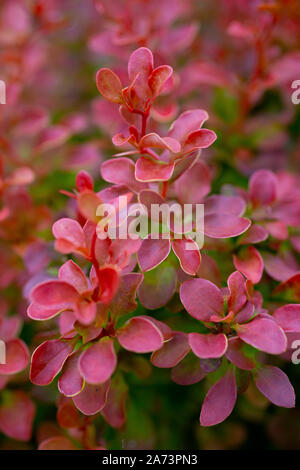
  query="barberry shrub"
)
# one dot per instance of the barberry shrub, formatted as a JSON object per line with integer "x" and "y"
{"x": 105, "y": 327}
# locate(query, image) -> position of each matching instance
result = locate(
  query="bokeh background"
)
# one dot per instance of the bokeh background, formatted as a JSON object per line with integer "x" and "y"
{"x": 234, "y": 58}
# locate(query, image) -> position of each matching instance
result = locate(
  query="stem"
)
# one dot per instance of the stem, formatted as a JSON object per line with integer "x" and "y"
{"x": 144, "y": 115}
{"x": 144, "y": 124}
{"x": 164, "y": 189}
{"x": 95, "y": 264}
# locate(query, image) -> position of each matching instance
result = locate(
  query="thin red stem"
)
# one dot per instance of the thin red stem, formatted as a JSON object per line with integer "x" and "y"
{"x": 164, "y": 189}
{"x": 95, "y": 263}
{"x": 144, "y": 124}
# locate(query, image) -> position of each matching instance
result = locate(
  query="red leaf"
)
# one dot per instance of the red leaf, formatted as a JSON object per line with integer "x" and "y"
{"x": 153, "y": 252}
{"x": 17, "y": 357}
{"x": 263, "y": 334}
{"x": 70, "y": 382}
{"x": 109, "y": 283}
{"x": 263, "y": 188}
{"x": 149, "y": 169}
{"x": 16, "y": 415}
{"x": 114, "y": 409}
{"x": 250, "y": 263}
{"x": 208, "y": 345}
{"x": 155, "y": 141}
{"x": 219, "y": 401}
{"x": 140, "y": 335}
{"x": 48, "y": 360}
{"x": 201, "y": 298}
{"x": 199, "y": 139}
{"x": 224, "y": 225}
{"x": 92, "y": 399}
{"x": 97, "y": 363}
{"x": 158, "y": 78}
{"x": 172, "y": 351}
{"x": 109, "y": 85}
{"x": 288, "y": 317}
{"x": 275, "y": 385}
{"x": 187, "y": 252}
{"x": 188, "y": 371}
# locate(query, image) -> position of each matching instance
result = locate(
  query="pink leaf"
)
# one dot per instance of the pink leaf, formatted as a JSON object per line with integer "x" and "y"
{"x": 88, "y": 203}
{"x": 186, "y": 123}
{"x": 164, "y": 112}
{"x": 246, "y": 312}
{"x": 17, "y": 357}
{"x": 279, "y": 268}
{"x": 236, "y": 355}
{"x": 98, "y": 362}
{"x": 125, "y": 299}
{"x": 70, "y": 232}
{"x": 121, "y": 171}
{"x": 209, "y": 269}
{"x": 119, "y": 139}
{"x": 155, "y": 141}
{"x": 158, "y": 78}
{"x": 208, "y": 345}
{"x": 72, "y": 274}
{"x": 140, "y": 335}
{"x": 70, "y": 382}
{"x": 114, "y": 409}
{"x": 172, "y": 352}
{"x": 188, "y": 371}
{"x": 158, "y": 286}
{"x": 153, "y": 252}
{"x": 233, "y": 205}
{"x": 263, "y": 188}
{"x": 194, "y": 184}
{"x": 275, "y": 385}
{"x": 66, "y": 323}
{"x": 201, "y": 298}
{"x": 48, "y": 360}
{"x": 187, "y": 252}
{"x": 255, "y": 234}
{"x": 92, "y": 399}
{"x": 109, "y": 85}
{"x": 140, "y": 61}
{"x": 84, "y": 181}
{"x": 263, "y": 334}
{"x": 16, "y": 415}
{"x": 288, "y": 317}
{"x": 85, "y": 311}
{"x": 52, "y": 137}
{"x": 219, "y": 401}
{"x": 140, "y": 66}
{"x": 41, "y": 312}
{"x": 54, "y": 294}
{"x": 277, "y": 229}
{"x": 9, "y": 327}
{"x": 21, "y": 176}
{"x": 224, "y": 225}
{"x": 148, "y": 169}
{"x": 199, "y": 139}
{"x": 237, "y": 288}
{"x": 250, "y": 263}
